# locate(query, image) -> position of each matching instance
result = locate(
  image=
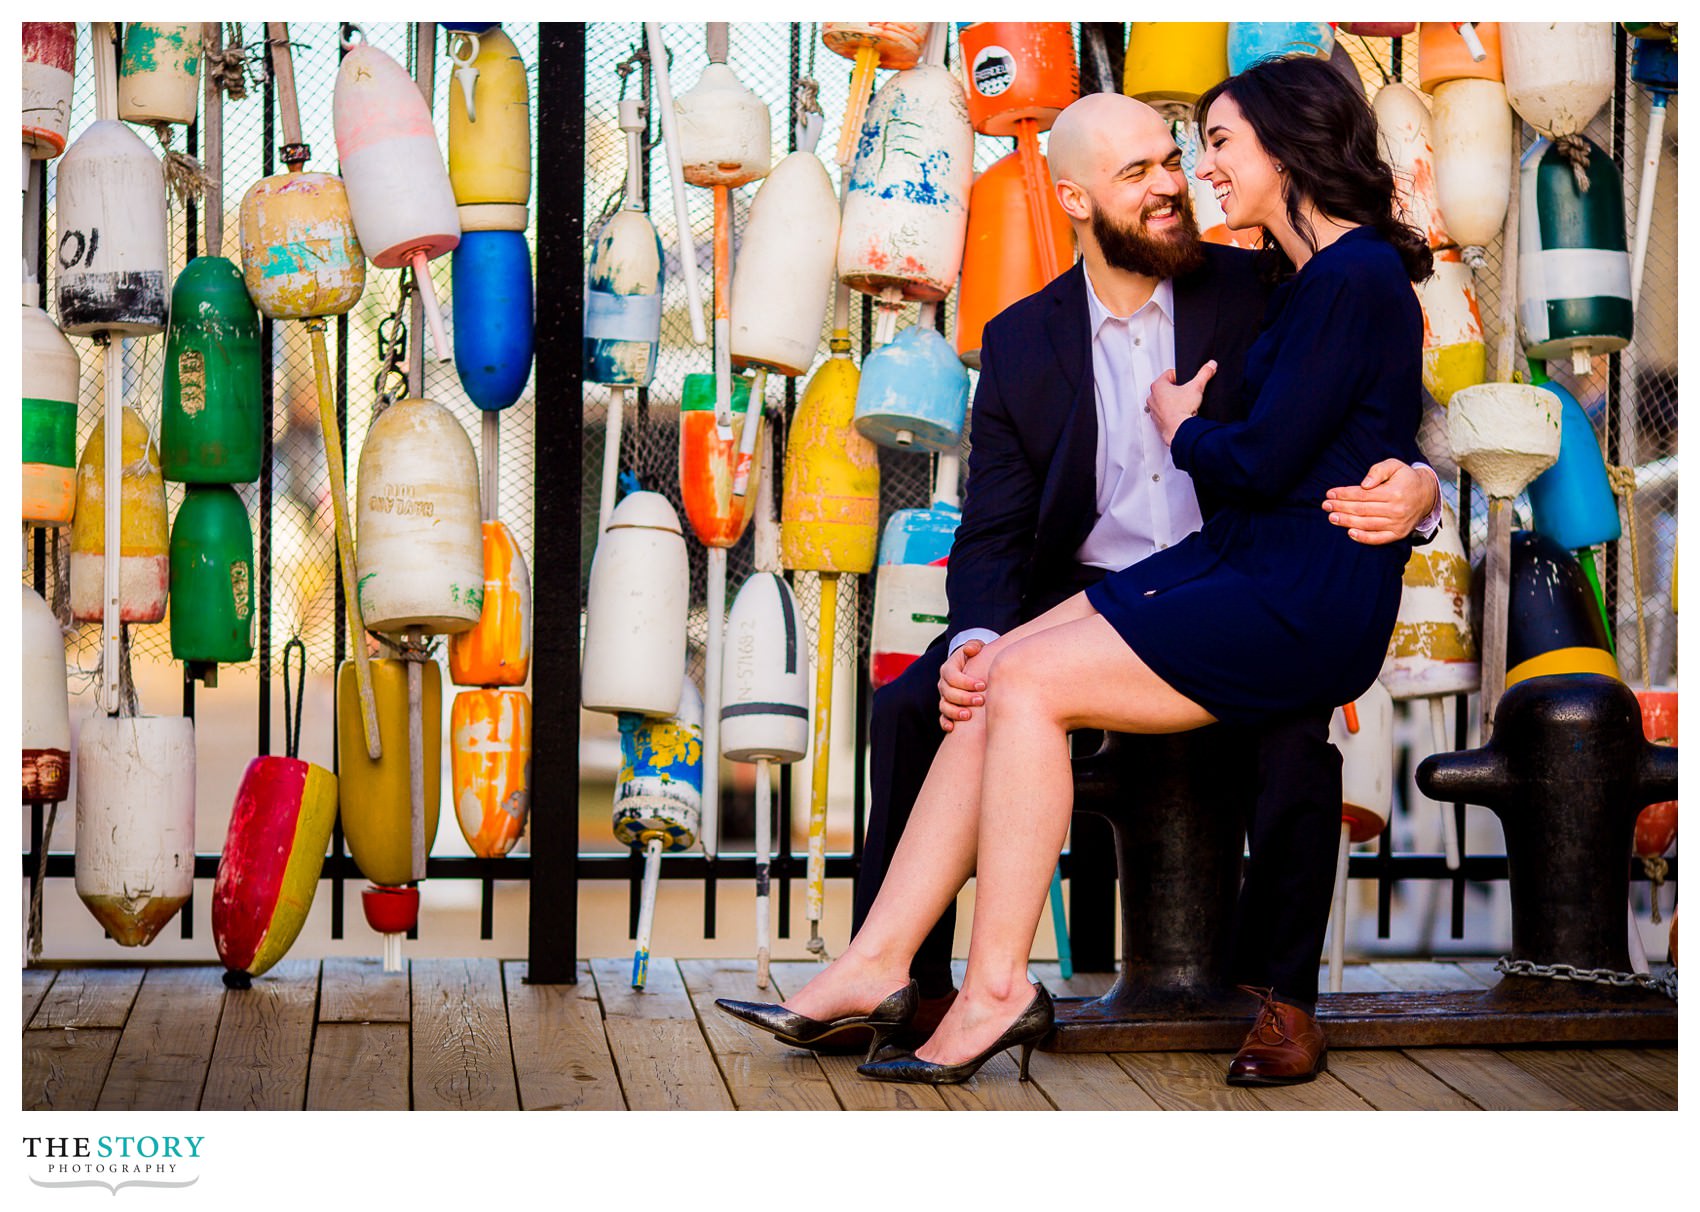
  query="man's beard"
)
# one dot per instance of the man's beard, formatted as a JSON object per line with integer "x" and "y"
{"x": 1135, "y": 250}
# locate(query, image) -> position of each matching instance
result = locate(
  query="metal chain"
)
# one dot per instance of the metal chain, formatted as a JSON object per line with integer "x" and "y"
{"x": 391, "y": 383}
{"x": 1665, "y": 984}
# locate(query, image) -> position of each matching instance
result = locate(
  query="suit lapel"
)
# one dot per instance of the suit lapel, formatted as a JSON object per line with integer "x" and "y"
{"x": 1069, "y": 500}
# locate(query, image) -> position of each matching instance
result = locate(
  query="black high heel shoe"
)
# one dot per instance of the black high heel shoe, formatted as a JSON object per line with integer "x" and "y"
{"x": 800, "y": 1031}
{"x": 1030, "y": 1026}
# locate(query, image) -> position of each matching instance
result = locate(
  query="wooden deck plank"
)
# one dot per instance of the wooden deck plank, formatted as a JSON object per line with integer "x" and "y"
{"x": 63, "y": 1069}
{"x": 761, "y": 1073}
{"x": 1088, "y": 1081}
{"x": 1594, "y": 1082}
{"x": 1656, "y": 1067}
{"x": 658, "y": 1046}
{"x": 1358, "y": 978}
{"x": 36, "y": 982}
{"x": 1187, "y": 1081}
{"x": 561, "y": 1056}
{"x": 162, "y": 1057}
{"x": 462, "y": 1057}
{"x": 854, "y": 1092}
{"x": 265, "y": 1037}
{"x": 356, "y": 989}
{"x": 359, "y": 1067}
{"x": 88, "y": 997}
{"x": 1490, "y": 1080}
{"x": 1419, "y": 975}
{"x": 1480, "y": 971}
{"x": 1391, "y": 1081}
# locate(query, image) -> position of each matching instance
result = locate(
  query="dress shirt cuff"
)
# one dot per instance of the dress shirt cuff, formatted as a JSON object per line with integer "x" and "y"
{"x": 984, "y": 634}
{"x": 1430, "y": 526}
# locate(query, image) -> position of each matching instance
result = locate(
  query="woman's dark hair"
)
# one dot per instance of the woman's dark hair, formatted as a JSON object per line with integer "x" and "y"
{"x": 1321, "y": 130}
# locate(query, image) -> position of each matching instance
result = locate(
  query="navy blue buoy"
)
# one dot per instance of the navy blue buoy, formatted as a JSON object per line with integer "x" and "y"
{"x": 493, "y": 316}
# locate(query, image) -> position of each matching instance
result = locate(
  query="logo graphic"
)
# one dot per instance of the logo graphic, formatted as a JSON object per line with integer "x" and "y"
{"x": 113, "y": 1162}
{"x": 993, "y": 71}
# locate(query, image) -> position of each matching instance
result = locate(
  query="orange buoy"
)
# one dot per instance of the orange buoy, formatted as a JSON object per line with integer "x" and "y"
{"x": 497, "y": 651}
{"x": 1443, "y": 53}
{"x": 490, "y": 735}
{"x": 1001, "y": 260}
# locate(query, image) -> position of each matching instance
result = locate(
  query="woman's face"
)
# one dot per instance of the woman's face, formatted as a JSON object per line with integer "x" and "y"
{"x": 1241, "y": 172}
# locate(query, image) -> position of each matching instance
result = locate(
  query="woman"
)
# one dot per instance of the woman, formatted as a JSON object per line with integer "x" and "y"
{"x": 1268, "y": 609}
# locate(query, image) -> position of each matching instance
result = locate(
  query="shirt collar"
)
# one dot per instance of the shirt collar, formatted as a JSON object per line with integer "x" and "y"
{"x": 1163, "y": 297}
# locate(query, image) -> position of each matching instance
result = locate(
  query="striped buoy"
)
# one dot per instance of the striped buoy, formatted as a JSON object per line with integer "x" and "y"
{"x": 51, "y": 371}
{"x": 1555, "y": 624}
{"x": 1454, "y": 349}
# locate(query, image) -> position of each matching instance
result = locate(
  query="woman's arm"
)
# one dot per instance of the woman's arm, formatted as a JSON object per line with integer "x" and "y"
{"x": 1321, "y": 368}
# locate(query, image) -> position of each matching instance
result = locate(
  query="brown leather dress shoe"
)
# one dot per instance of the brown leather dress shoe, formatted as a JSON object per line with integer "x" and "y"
{"x": 1285, "y": 1046}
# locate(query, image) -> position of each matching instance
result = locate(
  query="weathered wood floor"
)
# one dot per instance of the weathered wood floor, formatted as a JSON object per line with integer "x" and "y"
{"x": 471, "y": 1034}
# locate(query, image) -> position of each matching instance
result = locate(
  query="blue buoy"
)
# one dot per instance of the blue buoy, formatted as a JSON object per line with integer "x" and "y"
{"x": 1250, "y": 41}
{"x": 913, "y": 393}
{"x": 1572, "y": 500}
{"x": 492, "y": 316}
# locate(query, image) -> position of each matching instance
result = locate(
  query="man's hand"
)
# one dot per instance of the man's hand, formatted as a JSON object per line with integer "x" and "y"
{"x": 961, "y": 687}
{"x": 1393, "y": 498}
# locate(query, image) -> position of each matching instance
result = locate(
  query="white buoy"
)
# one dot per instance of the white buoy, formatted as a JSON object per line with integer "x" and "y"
{"x": 1557, "y": 73}
{"x": 1473, "y": 160}
{"x": 782, "y": 282}
{"x": 109, "y": 217}
{"x": 46, "y": 704}
{"x": 1408, "y": 144}
{"x": 1363, "y": 733}
{"x": 634, "y": 641}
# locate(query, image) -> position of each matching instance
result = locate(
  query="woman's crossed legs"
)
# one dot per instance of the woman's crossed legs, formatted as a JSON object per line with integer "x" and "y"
{"x": 996, "y": 804}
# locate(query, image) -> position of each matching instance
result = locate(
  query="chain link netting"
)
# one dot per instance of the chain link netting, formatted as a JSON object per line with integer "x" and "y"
{"x": 303, "y": 576}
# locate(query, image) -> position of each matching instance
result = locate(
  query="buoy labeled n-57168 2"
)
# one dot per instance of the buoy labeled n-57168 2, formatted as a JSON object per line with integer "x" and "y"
{"x": 764, "y": 700}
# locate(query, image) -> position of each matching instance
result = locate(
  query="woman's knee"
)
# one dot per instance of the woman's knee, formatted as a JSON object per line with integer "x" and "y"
{"x": 1018, "y": 683}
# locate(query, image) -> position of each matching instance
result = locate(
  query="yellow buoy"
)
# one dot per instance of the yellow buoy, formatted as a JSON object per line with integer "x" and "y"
{"x": 831, "y": 504}
{"x": 144, "y": 549}
{"x": 377, "y": 814}
{"x": 1171, "y": 64}
{"x": 490, "y": 135}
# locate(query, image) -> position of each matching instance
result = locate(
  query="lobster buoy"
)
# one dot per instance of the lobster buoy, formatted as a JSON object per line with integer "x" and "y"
{"x": 110, "y": 220}
{"x": 1572, "y": 501}
{"x": 211, "y": 414}
{"x": 144, "y": 556}
{"x": 910, "y": 604}
{"x": 490, "y": 766}
{"x": 707, "y": 461}
{"x": 622, "y": 308}
{"x": 1379, "y": 29}
{"x": 1444, "y": 54}
{"x": 634, "y": 636}
{"x": 398, "y": 189}
{"x": 377, "y": 805}
{"x": 1555, "y": 623}
{"x": 1407, "y": 144}
{"x": 725, "y": 130}
{"x": 49, "y": 75}
{"x": 1573, "y": 271}
{"x": 46, "y": 704}
{"x": 830, "y": 504}
{"x": 1473, "y": 150}
{"x": 1454, "y": 349}
{"x": 268, "y": 871}
{"x": 51, "y": 372}
{"x": 419, "y": 552}
{"x": 135, "y": 821}
{"x": 913, "y": 392}
{"x": 764, "y": 704}
{"x": 1252, "y": 41}
{"x": 301, "y": 257}
{"x": 493, "y": 316}
{"x": 159, "y": 77}
{"x": 1363, "y": 733}
{"x": 1171, "y": 64}
{"x": 1655, "y": 826}
{"x": 1558, "y": 73}
{"x": 1432, "y": 650}
{"x": 497, "y": 651}
{"x": 1000, "y": 259}
{"x": 906, "y": 202}
{"x": 1018, "y": 72}
{"x": 490, "y": 136}
{"x": 896, "y": 45}
{"x": 783, "y": 278}
{"x": 212, "y": 577}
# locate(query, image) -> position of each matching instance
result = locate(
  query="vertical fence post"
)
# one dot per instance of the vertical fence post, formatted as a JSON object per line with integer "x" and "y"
{"x": 553, "y": 942}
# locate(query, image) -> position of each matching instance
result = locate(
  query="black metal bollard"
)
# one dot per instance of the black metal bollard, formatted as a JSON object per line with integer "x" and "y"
{"x": 1176, "y": 805}
{"x": 1567, "y": 771}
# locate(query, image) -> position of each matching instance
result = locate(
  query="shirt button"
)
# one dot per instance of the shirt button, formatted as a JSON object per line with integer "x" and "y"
{"x": 1139, "y": 340}
{"x": 1160, "y": 546}
{"x": 1155, "y": 477}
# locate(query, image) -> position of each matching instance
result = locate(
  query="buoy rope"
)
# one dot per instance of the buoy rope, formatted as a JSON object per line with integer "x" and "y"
{"x": 227, "y": 68}
{"x": 1657, "y": 870}
{"x": 1386, "y": 78}
{"x": 1622, "y": 480}
{"x": 41, "y": 883}
{"x": 292, "y": 704}
{"x": 1574, "y": 148}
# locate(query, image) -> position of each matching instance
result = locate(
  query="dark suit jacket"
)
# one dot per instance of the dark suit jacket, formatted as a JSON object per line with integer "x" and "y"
{"x": 1031, "y": 495}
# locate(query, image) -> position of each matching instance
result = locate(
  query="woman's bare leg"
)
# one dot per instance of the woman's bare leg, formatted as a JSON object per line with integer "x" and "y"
{"x": 1080, "y": 674}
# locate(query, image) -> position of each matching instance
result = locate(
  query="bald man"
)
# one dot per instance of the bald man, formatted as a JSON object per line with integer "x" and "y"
{"x": 1069, "y": 478}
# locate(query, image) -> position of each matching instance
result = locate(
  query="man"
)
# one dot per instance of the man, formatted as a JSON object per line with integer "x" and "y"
{"x": 1068, "y": 478}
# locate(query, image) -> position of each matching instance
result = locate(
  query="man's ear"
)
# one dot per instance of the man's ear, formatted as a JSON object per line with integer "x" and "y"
{"x": 1073, "y": 200}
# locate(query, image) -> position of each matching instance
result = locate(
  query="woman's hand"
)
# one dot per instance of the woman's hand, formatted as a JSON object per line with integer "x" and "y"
{"x": 1170, "y": 402}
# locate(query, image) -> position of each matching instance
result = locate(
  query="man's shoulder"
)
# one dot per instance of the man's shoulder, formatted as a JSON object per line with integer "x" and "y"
{"x": 1012, "y": 328}
{"x": 1232, "y": 267}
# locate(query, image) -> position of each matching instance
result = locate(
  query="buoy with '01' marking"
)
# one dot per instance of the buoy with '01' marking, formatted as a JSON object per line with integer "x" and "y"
{"x": 109, "y": 217}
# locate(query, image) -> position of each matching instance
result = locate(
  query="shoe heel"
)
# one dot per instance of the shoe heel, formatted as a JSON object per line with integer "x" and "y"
{"x": 881, "y": 1034}
{"x": 1026, "y": 1055}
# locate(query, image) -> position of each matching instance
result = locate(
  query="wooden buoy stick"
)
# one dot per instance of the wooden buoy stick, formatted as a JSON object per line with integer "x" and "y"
{"x": 212, "y": 123}
{"x": 344, "y": 538}
{"x": 764, "y": 851}
{"x": 714, "y": 651}
{"x": 747, "y": 440}
{"x": 490, "y": 431}
{"x": 1337, "y": 936}
{"x": 723, "y": 311}
{"x": 1448, "y": 818}
{"x": 646, "y": 909}
{"x": 676, "y": 177}
{"x": 825, "y": 643}
{"x": 611, "y": 455}
{"x": 113, "y": 523}
{"x": 426, "y": 298}
{"x": 416, "y": 754}
{"x": 283, "y": 79}
{"x": 1507, "y": 349}
{"x": 1496, "y": 609}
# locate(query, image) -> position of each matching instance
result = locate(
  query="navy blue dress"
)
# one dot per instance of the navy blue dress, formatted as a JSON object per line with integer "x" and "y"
{"x": 1271, "y": 607}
